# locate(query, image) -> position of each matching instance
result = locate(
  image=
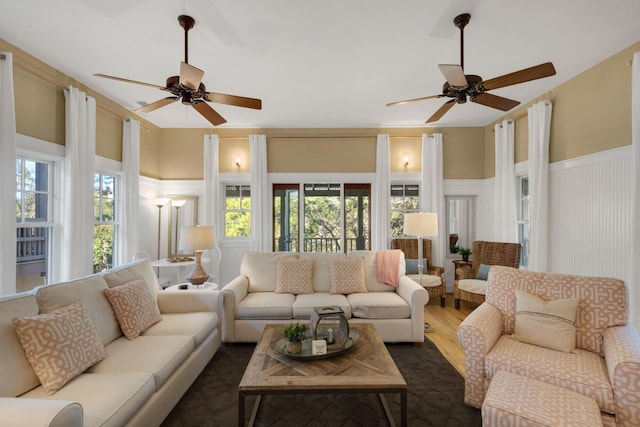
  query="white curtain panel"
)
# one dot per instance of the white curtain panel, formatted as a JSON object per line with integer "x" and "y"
{"x": 539, "y": 116}
{"x": 432, "y": 194}
{"x": 381, "y": 216}
{"x": 129, "y": 216}
{"x": 260, "y": 217}
{"x": 211, "y": 181}
{"x": 505, "y": 228}
{"x": 77, "y": 217}
{"x": 7, "y": 176}
{"x": 633, "y": 278}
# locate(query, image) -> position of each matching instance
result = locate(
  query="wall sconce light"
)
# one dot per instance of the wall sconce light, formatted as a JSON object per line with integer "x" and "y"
{"x": 405, "y": 161}
{"x": 237, "y": 162}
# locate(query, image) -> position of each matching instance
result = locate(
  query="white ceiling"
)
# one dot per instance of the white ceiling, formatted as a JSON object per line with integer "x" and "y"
{"x": 330, "y": 63}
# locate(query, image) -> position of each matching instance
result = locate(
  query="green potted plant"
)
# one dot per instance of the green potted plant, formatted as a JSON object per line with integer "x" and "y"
{"x": 465, "y": 252}
{"x": 295, "y": 333}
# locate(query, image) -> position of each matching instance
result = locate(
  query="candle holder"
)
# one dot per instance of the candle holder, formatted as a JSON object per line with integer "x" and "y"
{"x": 336, "y": 335}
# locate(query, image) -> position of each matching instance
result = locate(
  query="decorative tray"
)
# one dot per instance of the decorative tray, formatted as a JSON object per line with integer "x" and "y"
{"x": 305, "y": 353}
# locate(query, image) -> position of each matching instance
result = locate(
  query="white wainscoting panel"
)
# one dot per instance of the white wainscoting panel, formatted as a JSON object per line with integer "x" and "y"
{"x": 590, "y": 215}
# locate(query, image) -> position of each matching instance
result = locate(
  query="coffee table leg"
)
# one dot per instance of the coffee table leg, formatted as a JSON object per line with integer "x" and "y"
{"x": 403, "y": 408}
{"x": 240, "y": 409}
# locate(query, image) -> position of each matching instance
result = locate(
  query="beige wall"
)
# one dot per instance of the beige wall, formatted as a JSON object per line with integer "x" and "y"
{"x": 591, "y": 113}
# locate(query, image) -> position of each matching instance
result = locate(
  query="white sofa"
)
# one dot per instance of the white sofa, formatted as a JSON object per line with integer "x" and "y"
{"x": 250, "y": 300}
{"x": 138, "y": 382}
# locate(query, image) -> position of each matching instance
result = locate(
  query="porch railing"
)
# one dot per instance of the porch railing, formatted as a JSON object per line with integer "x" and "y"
{"x": 31, "y": 244}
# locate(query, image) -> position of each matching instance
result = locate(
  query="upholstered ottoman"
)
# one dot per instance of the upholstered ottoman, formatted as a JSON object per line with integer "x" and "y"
{"x": 514, "y": 400}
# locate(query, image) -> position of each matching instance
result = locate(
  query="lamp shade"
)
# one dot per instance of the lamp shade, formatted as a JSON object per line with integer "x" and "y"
{"x": 197, "y": 238}
{"x": 178, "y": 203}
{"x": 160, "y": 201}
{"x": 421, "y": 224}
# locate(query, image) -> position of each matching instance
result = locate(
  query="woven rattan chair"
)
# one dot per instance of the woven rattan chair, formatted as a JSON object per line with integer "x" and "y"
{"x": 488, "y": 253}
{"x": 435, "y": 287}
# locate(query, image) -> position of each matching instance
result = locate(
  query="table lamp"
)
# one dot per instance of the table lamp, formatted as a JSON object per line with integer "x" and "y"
{"x": 197, "y": 239}
{"x": 420, "y": 224}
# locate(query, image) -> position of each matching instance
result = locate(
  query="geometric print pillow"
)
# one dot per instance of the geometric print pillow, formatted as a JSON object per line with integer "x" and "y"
{"x": 134, "y": 306}
{"x": 294, "y": 276}
{"x": 347, "y": 276}
{"x": 60, "y": 345}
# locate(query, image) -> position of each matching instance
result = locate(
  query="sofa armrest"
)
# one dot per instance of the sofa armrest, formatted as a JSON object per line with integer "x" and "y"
{"x": 18, "y": 411}
{"x": 416, "y": 296}
{"x": 190, "y": 301}
{"x": 233, "y": 292}
{"x": 477, "y": 334}
{"x": 622, "y": 356}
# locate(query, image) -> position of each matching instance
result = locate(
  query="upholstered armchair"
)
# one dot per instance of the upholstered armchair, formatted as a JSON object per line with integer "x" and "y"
{"x": 468, "y": 286}
{"x": 604, "y": 365}
{"x": 432, "y": 279}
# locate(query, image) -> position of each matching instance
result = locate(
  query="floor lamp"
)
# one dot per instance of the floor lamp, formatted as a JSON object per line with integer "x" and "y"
{"x": 177, "y": 204}
{"x": 160, "y": 202}
{"x": 420, "y": 224}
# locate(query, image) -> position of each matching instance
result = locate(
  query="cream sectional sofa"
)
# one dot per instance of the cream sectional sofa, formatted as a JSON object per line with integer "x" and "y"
{"x": 250, "y": 300}
{"x": 138, "y": 382}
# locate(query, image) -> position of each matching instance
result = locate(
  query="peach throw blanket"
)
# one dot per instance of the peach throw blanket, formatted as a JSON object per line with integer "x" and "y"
{"x": 388, "y": 267}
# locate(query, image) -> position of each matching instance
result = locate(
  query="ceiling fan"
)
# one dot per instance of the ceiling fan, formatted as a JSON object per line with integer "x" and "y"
{"x": 460, "y": 86}
{"x": 188, "y": 87}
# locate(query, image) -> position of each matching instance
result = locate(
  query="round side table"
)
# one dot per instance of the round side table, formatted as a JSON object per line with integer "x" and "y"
{"x": 209, "y": 286}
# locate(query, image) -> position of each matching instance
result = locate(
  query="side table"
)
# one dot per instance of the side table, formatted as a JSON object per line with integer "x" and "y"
{"x": 209, "y": 286}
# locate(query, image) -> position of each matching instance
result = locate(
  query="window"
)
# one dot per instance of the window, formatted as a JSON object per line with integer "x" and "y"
{"x": 237, "y": 211}
{"x": 104, "y": 229}
{"x": 33, "y": 220}
{"x": 404, "y": 198}
{"x": 524, "y": 218}
{"x": 335, "y": 217}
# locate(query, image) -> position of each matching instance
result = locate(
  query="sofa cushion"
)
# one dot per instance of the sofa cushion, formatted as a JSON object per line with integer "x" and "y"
{"x": 60, "y": 345}
{"x": 134, "y": 306}
{"x": 581, "y": 371}
{"x": 17, "y": 374}
{"x": 347, "y": 275}
{"x": 294, "y": 276}
{"x": 321, "y": 270}
{"x": 474, "y": 286}
{"x": 198, "y": 325}
{"x": 379, "y": 305}
{"x": 265, "y": 305}
{"x": 304, "y": 304}
{"x": 428, "y": 280}
{"x": 90, "y": 290}
{"x": 140, "y": 269}
{"x": 157, "y": 355}
{"x": 371, "y": 273}
{"x": 120, "y": 396}
{"x": 261, "y": 268}
{"x": 550, "y": 324}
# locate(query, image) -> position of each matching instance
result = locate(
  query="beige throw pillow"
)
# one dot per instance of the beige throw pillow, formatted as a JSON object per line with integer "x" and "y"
{"x": 60, "y": 345}
{"x": 294, "y": 276}
{"x": 347, "y": 275}
{"x": 550, "y": 324}
{"x": 134, "y": 306}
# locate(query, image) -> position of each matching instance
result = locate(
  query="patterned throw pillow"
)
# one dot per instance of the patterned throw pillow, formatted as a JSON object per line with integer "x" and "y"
{"x": 60, "y": 345}
{"x": 294, "y": 276}
{"x": 483, "y": 272}
{"x": 550, "y": 324}
{"x": 134, "y": 306}
{"x": 347, "y": 275}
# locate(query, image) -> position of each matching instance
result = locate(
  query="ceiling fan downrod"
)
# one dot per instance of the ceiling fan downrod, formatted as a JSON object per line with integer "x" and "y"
{"x": 187, "y": 23}
{"x": 461, "y": 21}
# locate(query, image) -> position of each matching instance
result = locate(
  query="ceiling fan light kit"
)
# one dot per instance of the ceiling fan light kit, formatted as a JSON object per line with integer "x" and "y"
{"x": 462, "y": 87}
{"x": 189, "y": 89}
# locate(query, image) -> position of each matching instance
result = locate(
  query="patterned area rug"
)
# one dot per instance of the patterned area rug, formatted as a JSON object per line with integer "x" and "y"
{"x": 435, "y": 396}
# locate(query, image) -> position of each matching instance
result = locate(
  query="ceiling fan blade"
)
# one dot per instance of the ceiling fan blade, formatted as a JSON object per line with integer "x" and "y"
{"x": 494, "y": 101}
{"x": 413, "y": 100}
{"x": 208, "y": 113}
{"x": 155, "y": 105}
{"x": 525, "y": 75}
{"x": 441, "y": 111}
{"x": 120, "y": 79}
{"x": 190, "y": 76}
{"x": 454, "y": 75}
{"x": 237, "y": 101}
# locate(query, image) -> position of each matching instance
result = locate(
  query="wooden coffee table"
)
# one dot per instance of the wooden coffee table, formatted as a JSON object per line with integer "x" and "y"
{"x": 366, "y": 368}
